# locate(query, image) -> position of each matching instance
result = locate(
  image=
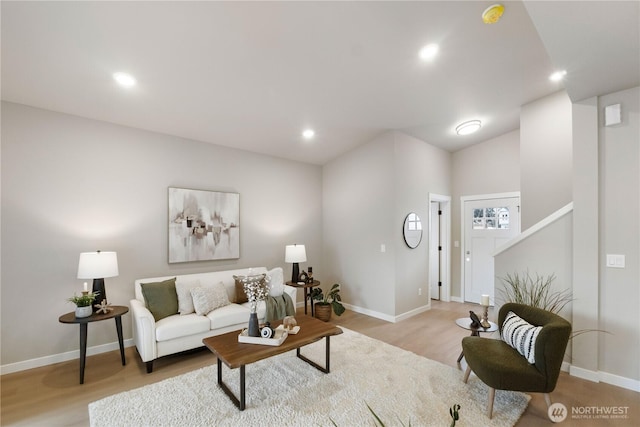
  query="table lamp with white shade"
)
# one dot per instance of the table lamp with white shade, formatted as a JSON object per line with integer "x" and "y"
{"x": 295, "y": 254}
{"x": 98, "y": 265}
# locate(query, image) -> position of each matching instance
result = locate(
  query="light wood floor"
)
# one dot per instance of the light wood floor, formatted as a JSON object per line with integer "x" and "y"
{"x": 51, "y": 395}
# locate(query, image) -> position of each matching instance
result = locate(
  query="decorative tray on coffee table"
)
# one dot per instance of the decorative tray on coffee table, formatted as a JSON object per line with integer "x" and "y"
{"x": 278, "y": 338}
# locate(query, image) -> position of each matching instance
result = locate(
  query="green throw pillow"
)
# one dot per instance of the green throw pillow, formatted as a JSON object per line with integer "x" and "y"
{"x": 161, "y": 298}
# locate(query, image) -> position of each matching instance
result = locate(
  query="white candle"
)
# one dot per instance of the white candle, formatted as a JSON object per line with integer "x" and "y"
{"x": 484, "y": 300}
{"x": 85, "y": 286}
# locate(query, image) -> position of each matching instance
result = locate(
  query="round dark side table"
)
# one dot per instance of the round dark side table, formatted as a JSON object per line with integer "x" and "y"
{"x": 116, "y": 313}
{"x": 465, "y": 323}
{"x": 306, "y": 288}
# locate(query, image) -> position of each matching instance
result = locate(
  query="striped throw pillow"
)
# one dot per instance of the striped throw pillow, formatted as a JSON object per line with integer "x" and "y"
{"x": 521, "y": 335}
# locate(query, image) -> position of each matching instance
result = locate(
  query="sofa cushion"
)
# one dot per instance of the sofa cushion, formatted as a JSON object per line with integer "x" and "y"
{"x": 183, "y": 290}
{"x": 209, "y": 297}
{"x": 521, "y": 335}
{"x": 254, "y": 282}
{"x": 232, "y": 314}
{"x": 276, "y": 284}
{"x": 180, "y": 326}
{"x": 161, "y": 298}
{"x": 241, "y": 296}
{"x": 253, "y": 287}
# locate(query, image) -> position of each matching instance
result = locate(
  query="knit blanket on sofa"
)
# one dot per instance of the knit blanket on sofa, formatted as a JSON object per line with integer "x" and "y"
{"x": 279, "y": 307}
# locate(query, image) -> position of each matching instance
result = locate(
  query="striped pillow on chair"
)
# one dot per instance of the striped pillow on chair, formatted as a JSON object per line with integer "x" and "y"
{"x": 521, "y": 335}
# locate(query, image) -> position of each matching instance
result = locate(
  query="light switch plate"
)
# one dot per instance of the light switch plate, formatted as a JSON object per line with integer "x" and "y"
{"x": 615, "y": 261}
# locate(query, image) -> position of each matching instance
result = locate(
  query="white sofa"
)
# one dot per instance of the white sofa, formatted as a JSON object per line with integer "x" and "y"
{"x": 178, "y": 332}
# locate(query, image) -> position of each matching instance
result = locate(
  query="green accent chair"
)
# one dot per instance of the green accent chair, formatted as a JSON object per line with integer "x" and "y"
{"x": 501, "y": 367}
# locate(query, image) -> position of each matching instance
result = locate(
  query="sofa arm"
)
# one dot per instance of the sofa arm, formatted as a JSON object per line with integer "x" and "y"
{"x": 293, "y": 293}
{"x": 144, "y": 330}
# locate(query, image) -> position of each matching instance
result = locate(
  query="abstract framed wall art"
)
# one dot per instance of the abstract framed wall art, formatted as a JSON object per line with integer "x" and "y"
{"x": 203, "y": 225}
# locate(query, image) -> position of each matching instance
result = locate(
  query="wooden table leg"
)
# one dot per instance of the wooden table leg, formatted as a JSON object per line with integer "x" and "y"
{"x": 83, "y": 350}
{"x": 120, "y": 340}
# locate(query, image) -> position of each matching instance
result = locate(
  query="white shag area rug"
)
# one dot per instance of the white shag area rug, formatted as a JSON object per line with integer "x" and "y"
{"x": 401, "y": 387}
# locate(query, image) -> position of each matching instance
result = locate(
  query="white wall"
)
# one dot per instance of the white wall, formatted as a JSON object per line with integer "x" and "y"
{"x": 545, "y": 253}
{"x": 605, "y": 220}
{"x": 420, "y": 169}
{"x": 546, "y": 175}
{"x": 71, "y": 185}
{"x": 586, "y": 231}
{"x": 620, "y": 234}
{"x": 490, "y": 167}
{"x": 367, "y": 193}
{"x": 358, "y": 216}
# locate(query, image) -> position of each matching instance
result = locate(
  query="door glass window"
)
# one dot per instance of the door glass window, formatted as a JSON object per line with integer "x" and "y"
{"x": 491, "y": 218}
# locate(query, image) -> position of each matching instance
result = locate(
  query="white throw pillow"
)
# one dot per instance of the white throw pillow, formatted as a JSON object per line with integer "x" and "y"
{"x": 277, "y": 282}
{"x": 209, "y": 297}
{"x": 521, "y": 335}
{"x": 185, "y": 301}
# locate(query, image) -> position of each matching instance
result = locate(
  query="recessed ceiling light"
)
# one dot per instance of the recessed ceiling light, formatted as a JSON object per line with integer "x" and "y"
{"x": 492, "y": 14}
{"x": 308, "y": 134}
{"x": 429, "y": 51}
{"x": 468, "y": 127}
{"x": 558, "y": 75}
{"x": 124, "y": 79}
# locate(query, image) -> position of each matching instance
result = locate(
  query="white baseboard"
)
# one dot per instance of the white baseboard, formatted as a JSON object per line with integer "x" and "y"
{"x": 61, "y": 357}
{"x": 368, "y": 312}
{"x": 387, "y": 317}
{"x": 456, "y": 299}
{"x": 413, "y": 312}
{"x": 619, "y": 381}
{"x": 605, "y": 377}
{"x": 585, "y": 374}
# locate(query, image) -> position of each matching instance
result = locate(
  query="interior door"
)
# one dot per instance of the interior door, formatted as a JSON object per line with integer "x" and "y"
{"x": 488, "y": 223}
{"x": 435, "y": 251}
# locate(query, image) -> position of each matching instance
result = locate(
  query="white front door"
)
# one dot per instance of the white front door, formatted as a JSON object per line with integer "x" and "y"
{"x": 488, "y": 223}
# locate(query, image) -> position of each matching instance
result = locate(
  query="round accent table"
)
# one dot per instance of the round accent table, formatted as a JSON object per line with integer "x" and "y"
{"x": 116, "y": 313}
{"x": 465, "y": 323}
{"x": 306, "y": 288}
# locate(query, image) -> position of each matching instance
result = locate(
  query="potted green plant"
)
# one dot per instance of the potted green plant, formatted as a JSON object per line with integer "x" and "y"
{"x": 327, "y": 302}
{"x": 83, "y": 303}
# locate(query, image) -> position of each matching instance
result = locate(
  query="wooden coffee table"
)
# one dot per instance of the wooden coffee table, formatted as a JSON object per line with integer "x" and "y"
{"x": 237, "y": 355}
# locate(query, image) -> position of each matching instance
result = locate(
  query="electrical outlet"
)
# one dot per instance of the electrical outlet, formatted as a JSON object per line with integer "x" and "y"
{"x": 419, "y": 291}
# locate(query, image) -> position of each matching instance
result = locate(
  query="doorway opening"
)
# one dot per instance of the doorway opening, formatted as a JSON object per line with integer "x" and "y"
{"x": 439, "y": 247}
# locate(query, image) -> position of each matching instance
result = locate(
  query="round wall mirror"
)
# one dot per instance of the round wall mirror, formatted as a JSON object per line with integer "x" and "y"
{"x": 412, "y": 230}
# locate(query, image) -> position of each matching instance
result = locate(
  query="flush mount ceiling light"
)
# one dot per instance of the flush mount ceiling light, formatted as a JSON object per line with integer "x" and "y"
{"x": 124, "y": 79}
{"x": 492, "y": 14}
{"x": 558, "y": 75}
{"x": 468, "y": 127}
{"x": 429, "y": 51}
{"x": 308, "y": 134}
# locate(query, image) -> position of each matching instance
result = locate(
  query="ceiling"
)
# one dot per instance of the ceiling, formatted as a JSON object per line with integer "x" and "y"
{"x": 254, "y": 75}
